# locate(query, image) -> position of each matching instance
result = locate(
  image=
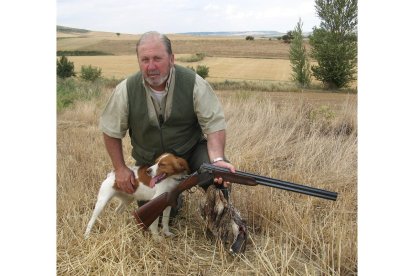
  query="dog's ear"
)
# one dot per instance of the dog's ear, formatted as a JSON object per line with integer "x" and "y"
{"x": 181, "y": 164}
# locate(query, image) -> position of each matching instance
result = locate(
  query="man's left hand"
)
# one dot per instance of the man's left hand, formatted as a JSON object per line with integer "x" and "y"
{"x": 226, "y": 165}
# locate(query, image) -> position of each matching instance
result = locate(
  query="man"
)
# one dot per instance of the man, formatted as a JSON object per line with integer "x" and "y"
{"x": 165, "y": 108}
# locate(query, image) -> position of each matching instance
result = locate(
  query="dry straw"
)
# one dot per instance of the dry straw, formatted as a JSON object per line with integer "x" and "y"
{"x": 286, "y": 136}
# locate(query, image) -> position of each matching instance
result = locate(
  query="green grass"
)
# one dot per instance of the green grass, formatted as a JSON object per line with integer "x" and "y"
{"x": 70, "y": 90}
{"x": 82, "y": 53}
{"x": 273, "y": 86}
{"x": 193, "y": 58}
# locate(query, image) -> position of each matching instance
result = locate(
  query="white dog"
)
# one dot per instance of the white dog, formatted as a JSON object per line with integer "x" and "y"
{"x": 150, "y": 182}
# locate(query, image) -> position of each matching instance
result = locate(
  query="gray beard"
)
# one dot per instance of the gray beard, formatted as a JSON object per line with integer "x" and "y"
{"x": 156, "y": 82}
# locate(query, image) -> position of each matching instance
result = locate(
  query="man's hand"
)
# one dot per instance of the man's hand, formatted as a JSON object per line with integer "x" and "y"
{"x": 226, "y": 165}
{"x": 125, "y": 179}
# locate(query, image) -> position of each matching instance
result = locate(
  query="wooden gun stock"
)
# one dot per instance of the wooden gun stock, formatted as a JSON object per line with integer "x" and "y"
{"x": 150, "y": 211}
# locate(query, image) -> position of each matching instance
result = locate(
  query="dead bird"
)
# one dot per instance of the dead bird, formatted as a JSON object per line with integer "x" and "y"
{"x": 223, "y": 221}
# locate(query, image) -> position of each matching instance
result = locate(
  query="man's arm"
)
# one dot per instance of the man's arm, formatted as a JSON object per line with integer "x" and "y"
{"x": 216, "y": 142}
{"x": 124, "y": 177}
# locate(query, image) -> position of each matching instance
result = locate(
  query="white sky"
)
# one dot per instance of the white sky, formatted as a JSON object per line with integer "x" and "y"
{"x": 177, "y": 16}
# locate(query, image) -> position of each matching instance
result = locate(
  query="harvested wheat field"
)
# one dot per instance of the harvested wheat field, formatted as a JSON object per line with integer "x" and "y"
{"x": 220, "y": 68}
{"x": 303, "y": 138}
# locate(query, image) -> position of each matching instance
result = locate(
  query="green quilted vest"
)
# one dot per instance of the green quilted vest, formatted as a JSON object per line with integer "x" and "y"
{"x": 177, "y": 135}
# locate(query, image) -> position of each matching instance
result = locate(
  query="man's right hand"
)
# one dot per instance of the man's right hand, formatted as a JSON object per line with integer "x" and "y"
{"x": 125, "y": 179}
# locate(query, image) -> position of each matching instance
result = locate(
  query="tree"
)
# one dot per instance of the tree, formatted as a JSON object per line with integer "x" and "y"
{"x": 298, "y": 60}
{"x": 287, "y": 38}
{"x": 334, "y": 43}
{"x": 65, "y": 68}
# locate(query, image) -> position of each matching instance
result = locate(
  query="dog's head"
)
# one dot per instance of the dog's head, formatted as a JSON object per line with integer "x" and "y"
{"x": 165, "y": 166}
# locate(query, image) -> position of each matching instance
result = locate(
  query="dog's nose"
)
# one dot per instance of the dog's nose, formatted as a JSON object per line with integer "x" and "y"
{"x": 149, "y": 171}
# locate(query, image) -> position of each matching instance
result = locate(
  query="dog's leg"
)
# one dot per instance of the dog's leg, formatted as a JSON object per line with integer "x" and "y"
{"x": 106, "y": 192}
{"x": 165, "y": 220}
{"x": 124, "y": 201}
{"x": 154, "y": 230}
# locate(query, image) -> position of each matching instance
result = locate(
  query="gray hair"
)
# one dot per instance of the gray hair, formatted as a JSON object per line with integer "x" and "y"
{"x": 152, "y": 34}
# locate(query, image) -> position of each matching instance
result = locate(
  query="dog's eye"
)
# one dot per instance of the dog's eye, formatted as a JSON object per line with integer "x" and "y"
{"x": 162, "y": 164}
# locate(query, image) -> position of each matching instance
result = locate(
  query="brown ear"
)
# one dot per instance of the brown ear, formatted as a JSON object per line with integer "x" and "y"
{"x": 181, "y": 164}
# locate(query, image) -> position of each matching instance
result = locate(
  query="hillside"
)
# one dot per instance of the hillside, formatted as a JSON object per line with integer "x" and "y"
{"x": 70, "y": 30}
{"x": 212, "y": 44}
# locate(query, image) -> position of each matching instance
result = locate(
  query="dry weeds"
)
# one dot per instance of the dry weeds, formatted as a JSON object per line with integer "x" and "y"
{"x": 290, "y": 234}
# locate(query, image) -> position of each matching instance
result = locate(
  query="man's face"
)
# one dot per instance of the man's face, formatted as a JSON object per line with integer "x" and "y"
{"x": 154, "y": 62}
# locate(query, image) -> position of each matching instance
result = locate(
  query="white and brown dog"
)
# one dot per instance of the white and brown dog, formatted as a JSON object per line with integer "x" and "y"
{"x": 150, "y": 182}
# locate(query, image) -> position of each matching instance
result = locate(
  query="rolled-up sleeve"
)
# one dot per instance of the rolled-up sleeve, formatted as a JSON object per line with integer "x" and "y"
{"x": 208, "y": 108}
{"x": 114, "y": 118}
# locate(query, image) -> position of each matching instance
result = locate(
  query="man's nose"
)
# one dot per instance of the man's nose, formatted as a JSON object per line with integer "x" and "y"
{"x": 151, "y": 65}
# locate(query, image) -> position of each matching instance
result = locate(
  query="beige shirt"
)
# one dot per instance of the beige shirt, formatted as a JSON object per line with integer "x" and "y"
{"x": 114, "y": 119}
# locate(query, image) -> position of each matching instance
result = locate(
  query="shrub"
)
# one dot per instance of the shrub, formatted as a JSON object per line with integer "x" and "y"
{"x": 201, "y": 70}
{"x": 65, "y": 68}
{"x": 249, "y": 37}
{"x": 287, "y": 38}
{"x": 90, "y": 73}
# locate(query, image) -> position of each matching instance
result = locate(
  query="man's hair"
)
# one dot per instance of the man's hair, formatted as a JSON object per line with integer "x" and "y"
{"x": 164, "y": 39}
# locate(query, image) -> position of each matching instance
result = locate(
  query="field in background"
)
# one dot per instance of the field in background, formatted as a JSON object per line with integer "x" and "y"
{"x": 221, "y": 68}
{"x": 228, "y": 58}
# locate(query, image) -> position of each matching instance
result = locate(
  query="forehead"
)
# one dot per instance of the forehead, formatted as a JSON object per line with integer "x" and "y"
{"x": 152, "y": 46}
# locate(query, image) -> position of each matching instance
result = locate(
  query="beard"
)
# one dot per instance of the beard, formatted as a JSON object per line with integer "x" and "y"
{"x": 158, "y": 80}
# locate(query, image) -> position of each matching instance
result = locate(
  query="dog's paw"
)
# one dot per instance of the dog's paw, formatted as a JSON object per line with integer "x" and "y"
{"x": 169, "y": 234}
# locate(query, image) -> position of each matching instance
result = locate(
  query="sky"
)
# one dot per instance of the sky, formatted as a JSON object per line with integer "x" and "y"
{"x": 180, "y": 16}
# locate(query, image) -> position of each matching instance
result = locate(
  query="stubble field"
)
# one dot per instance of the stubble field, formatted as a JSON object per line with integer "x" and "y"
{"x": 308, "y": 138}
{"x": 227, "y": 58}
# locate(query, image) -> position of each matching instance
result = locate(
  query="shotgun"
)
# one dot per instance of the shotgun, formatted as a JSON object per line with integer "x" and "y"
{"x": 150, "y": 211}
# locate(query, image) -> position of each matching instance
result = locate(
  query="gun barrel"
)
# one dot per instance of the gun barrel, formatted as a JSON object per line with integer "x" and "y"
{"x": 280, "y": 184}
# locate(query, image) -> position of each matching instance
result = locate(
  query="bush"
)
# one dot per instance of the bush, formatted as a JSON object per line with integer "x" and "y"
{"x": 249, "y": 37}
{"x": 202, "y": 70}
{"x": 287, "y": 38}
{"x": 90, "y": 73}
{"x": 65, "y": 68}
